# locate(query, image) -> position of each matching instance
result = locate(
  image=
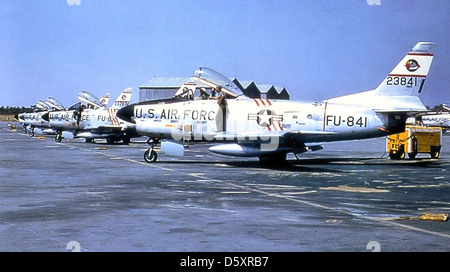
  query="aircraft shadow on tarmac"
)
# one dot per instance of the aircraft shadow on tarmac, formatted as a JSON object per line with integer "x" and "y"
{"x": 307, "y": 165}
{"x": 304, "y": 164}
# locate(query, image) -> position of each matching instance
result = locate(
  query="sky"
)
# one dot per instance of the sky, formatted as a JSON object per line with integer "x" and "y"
{"x": 317, "y": 49}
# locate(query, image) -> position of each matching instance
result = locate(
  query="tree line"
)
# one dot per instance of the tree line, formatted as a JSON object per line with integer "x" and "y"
{"x": 437, "y": 108}
{"x": 13, "y": 110}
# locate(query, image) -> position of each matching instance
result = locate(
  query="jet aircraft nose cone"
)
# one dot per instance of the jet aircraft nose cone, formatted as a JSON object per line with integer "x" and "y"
{"x": 126, "y": 113}
{"x": 45, "y": 116}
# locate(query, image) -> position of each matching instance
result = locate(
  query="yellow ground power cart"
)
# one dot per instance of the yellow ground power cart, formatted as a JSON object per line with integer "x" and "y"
{"x": 415, "y": 140}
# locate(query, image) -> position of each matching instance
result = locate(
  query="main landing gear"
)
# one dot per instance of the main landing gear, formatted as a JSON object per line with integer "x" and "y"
{"x": 31, "y": 132}
{"x": 58, "y": 136}
{"x": 150, "y": 155}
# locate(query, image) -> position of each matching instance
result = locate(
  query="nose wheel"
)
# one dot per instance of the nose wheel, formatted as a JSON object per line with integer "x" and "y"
{"x": 58, "y": 136}
{"x": 150, "y": 155}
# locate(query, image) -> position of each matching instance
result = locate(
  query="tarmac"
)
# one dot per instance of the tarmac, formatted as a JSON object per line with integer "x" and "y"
{"x": 98, "y": 197}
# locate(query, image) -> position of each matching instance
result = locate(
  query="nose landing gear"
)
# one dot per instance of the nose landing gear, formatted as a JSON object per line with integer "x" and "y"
{"x": 58, "y": 136}
{"x": 150, "y": 155}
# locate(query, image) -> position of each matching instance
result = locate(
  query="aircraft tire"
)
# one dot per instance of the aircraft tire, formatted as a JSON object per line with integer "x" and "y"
{"x": 150, "y": 156}
{"x": 126, "y": 140}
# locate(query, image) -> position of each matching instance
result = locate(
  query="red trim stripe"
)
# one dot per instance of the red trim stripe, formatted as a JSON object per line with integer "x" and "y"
{"x": 421, "y": 54}
{"x": 279, "y": 124}
{"x": 256, "y": 101}
{"x": 113, "y": 117}
{"x": 273, "y": 126}
{"x": 270, "y": 103}
{"x": 398, "y": 75}
{"x": 262, "y": 101}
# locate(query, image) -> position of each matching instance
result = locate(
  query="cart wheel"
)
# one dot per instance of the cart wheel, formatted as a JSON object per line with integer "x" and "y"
{"x": 413, "y": 154}
{"x": 397, "y": 154}
{"x": 435, "y": 152}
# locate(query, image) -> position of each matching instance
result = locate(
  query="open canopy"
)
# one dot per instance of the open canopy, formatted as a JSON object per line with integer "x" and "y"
{"x": 214, "y": 79}
{"x": 53, "y": 103}
{"x": 90, "y": 99}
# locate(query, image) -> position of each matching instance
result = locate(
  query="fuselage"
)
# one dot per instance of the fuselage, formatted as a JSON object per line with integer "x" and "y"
{"x": 34, "y": 119}
{"x": 91, "y": 123}
{"x": 437, "y": 120}
{"x": 88, "y": 119}
{"x": 202, "y": 120}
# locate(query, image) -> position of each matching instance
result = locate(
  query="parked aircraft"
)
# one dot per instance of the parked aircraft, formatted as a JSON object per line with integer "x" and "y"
{"x": 438, "y": 119}
{"x": 269, "y": 129}
{"x": 32, "y": 120}
{"x": 93, "y": 120}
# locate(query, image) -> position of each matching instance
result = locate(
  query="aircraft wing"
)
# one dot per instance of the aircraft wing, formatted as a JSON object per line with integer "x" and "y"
{"x": 301, "y": 136}
{"x": 251, "y": 135}
{"x": 408, "y": 112}
{"x": 108, "y": 129}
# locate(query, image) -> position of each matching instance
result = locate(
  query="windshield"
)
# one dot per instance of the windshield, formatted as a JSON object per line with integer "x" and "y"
{"x": 214, "y": 79}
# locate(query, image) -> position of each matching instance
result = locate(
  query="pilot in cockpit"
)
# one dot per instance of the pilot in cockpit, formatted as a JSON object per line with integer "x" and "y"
{"x": 188, "y": 92}
{"x": 203, "y": 94}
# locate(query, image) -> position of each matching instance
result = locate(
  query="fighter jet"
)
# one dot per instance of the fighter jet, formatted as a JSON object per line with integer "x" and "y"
{"x": 93, "y": 119}
{"x": 438, "y": 119}
{"x": 270, "y": 129}
{"x": 32, "y": 120}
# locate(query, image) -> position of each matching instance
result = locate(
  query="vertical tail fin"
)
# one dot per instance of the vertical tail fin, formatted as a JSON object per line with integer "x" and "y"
{"x": 408, "y": 77}
{"x": 400, "y": 90}
{"x": 123, "y": 99}
{"x": 105, "y": 99}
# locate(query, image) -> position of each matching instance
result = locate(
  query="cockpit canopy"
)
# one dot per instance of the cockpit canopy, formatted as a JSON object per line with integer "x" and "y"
{"x": 41, "y": 106}
{"x": 55, "y": 104}
{"x": 211, "y": 79}
{"x": 90, "y": 99}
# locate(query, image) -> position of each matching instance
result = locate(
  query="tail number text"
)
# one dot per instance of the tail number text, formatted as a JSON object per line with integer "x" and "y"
{"x": 349, "y": 121}
{"x": 403, "y": 81}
